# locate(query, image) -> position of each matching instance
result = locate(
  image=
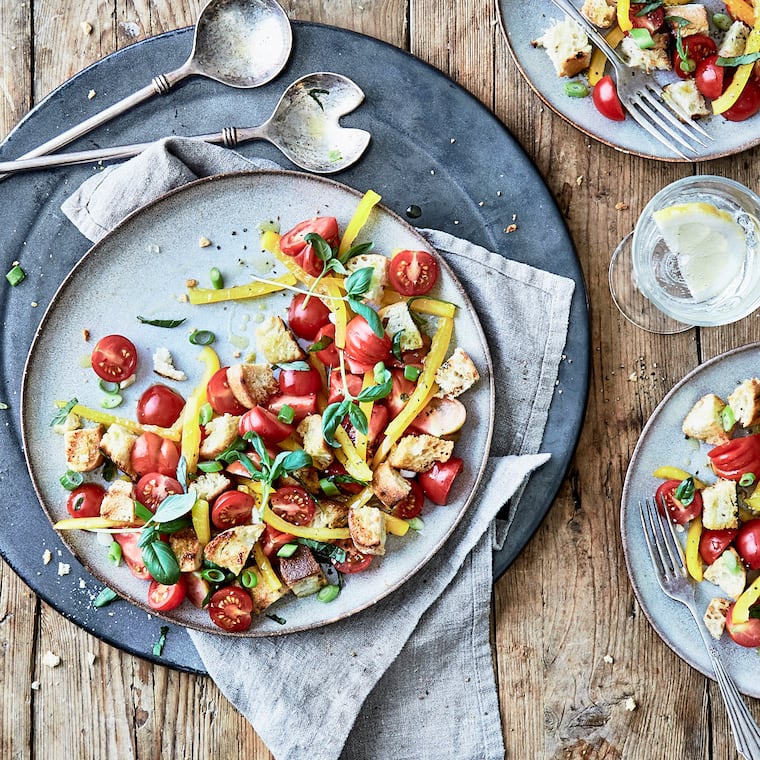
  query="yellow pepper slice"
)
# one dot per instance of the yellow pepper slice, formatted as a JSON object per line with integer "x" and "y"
{"x": 302, "y": 531}
{"x": 104, "y": 418}
{"x": 742, "y": 10}
{"x": 366, "y": 407}
{"x": 191, "y": 430}
{"x": 350, "y": 458}
{"x": 201, "y": 523}
{"x": 396, "y": 525}
{"x": 668, "y": 472}
{"x": 434, "y": 307}
{"x": 599, "y": 59}
{"x": 358, "y": 220}
{"x": 268, "y": 574}
{"x": 742, "y": 75}
{"x": 338, "y": 308}
{"x": 361, "y": 498}
{"x": 198, "y": 296}
{"x": 91, "y": 523}
{"x": 747, "y": 598}
{"x": 693, "y": 560}
{"x": 624, "y": 15}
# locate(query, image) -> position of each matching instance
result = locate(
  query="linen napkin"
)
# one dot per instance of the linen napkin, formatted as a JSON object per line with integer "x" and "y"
{"x": 412, "y": 676}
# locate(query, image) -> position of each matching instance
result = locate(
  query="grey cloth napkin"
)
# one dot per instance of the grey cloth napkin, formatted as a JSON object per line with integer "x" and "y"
{"x": 412, "y": 676}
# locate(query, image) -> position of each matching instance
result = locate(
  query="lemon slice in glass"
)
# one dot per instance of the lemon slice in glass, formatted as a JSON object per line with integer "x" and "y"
{"x": 709, "y": 243}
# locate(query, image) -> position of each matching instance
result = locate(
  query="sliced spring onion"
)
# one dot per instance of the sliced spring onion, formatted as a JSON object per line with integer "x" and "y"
{"x": 213, "y": 575}
{"x": 106, "y": 596}
{"x": 202, "y": 337}
{"x": 206, "y": 414}
{"x": 112, "y": 400}
{"x": 71, "y": 480}
{"x": 108, "y": 387}
{"x": 249, "y": 579}
{"x": 727, "y": 418}
{"x": 114, "y": 553}
{"x": 210, "y": 466}
{"x": 328, "y": 593}
{"x": 217, "y": 281}
{"x": 158, "y": 647}
{"x": 642, "y": 37}
{"x": 328, "y": 487}
{"x": 286, "y": 414}
{"x": 411, "y": 373}
{"x": 416, "y": 523}
{"x": 747, "y": 479}
{"x": 722, "y": 21}
{"x": 16, "y": 275}
{"x": 576, "y": 89}
{"x": 287, "y": 550}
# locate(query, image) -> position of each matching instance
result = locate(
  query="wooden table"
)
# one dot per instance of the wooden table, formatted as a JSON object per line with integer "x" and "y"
{"x": 566, "y": 602}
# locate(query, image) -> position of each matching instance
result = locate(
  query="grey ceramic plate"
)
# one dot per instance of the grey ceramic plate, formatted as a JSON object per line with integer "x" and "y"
{"x": 663, "y": 443}
{"x": 525, "y": 20}
{"x": 141, "y": 269}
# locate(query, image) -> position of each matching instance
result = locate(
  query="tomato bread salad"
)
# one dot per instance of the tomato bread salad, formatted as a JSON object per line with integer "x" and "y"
{"x": 283, "y": 472}
{"x": 720, "y": 510}
{"x": 710, "y": 50}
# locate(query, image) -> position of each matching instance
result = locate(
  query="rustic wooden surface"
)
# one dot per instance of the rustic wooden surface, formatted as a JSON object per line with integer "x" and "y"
{"x": 566, "y": 602}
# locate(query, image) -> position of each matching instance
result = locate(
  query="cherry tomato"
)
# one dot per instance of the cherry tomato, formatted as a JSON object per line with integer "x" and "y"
{"x": 677, "y": 511}
{"x": 302, "y": 406}
{"x": 363, "y": 348}
{"x": 305, "y": 321}
{"x": 651, "y": 21}
{"x": 230, "y": 608}
{"x": 159, "y": 405}
{"x": 293, "y": 504}
{"x": 745, "y": 634}
{"x": 413, "y": 273}
{"x": 411, "y": 506}
{"x": 440, "y": 417}
{"x": 300, "y": 382}
{"x": 132, "y": 555}
{"x": 114, "y": 358}
{"x": 353, "y": 383}
{"x": 341, "y": 478}
{"x": 196, "y": 588}
{"x": 709, "y": 77}
{"x": 164, "y": 598}
{"x": 736, "y": 457}
{"x": 154, "y": 487}
{"x": 232, "y": 508}
{"x": 273, "y": 540}
{"x": 266, "y": 424}
{"x": 747, "y": 543}
{"x": 606, "y": 99}
{"x": 292, "y": 243}
{"x": 697, "y": 47}
{"x": 85, "y": 500}
{"x": 152, "y": 453}
{"x": 329, "y": 354}
{"x": 220, "y": 395}
{"x": 437, "y": 481}
{"x": 712, "y": 543}
{"x": 400, "y": 392}
{"x": 747, "y": 105}
{"x": 355, "y": 561}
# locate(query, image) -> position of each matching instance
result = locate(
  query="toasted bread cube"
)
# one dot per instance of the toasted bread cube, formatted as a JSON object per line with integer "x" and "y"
{"x": 728, "y": 573}
{"x": 704, "y": 422}
{"x": 209, "y": 485}
{"x": 302, "y": 573}
{"x": 330, "y": 514}
{"x": 231, "y": 548}
{"x": 744, "y": 401}
{"x": 163, "y": 365}
{"x": 117, "y": 445}
{"x": 696, "y": 16}
{"x": 389, "y": 485}
{"x": 567, "y": 46}
{"x": 379, "y": 265}
{"x": 456, "y": 375}
{"x": 221, "y": 433}
{"x": 420, "y": 452}
{"x": 735, "y": 41}
{"x": 82, "y": 448}
{"x": 264, "y": 596}
{"x": 656, "y": 57}
{"x": 685, "y": 96}
{"x": 715, "y": 616}
{"x": 367, "y": 527}
{"x": 720, "y": 506}
{"x": 314, "y": 444}
{"x": 277, "y": 343}
{"x": 398, "y": 319}
{"x": 599, "y": 13}
{"x": 252, "y": 384}
{"x": 119, "y": 502}
{"x": 187, "y": 549}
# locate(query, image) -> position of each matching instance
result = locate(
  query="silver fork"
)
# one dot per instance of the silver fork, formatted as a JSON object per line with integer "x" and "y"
{"x": 643, "y": 97}
{"x": 670, "y": 569}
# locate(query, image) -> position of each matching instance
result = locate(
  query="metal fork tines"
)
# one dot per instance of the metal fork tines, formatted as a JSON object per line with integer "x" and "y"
{"x": 643, "y": 98}
{"x": 670, "y": 569}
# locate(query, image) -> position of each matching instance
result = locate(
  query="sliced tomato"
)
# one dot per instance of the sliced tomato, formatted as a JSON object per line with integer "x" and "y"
{"x": 232, "y": 508}
{"x": 712, "y": 543}
{"x": 230, "y": 608}
{"x": 273, "y": 540}
{"x": 363, "y": 348}
{"x": 413, "y": 273}
{"x": 697, "y": 47}
{"x": 197, "y": 589}
{"x": 400, "y": 393}
{"x": 745, "y": 634}
{"x": 329, "y": 354}
{"x": 337, "y": 473}
{"x": 353, "y": 383}
{"x": 437, "y": 481}
{"x": 132, "y": 555}
{"x": 220, "y": 395}
{"x": 748, "y": 103}
{"x": 747, "y": 543}
{"x": 159, "y": 405}
{"x": 297, "y": 382}
{"x": 292, "y": 243}
{"x": 152, "y": 453}
{"x": 164, "y": 598}
{"x": 709, "y": 77}
{"x": 154, "y": 487}
{"x": 441, "y": 416}
{"x": 652, "y": 20}
{"x": 606, "y": 99}
{"x": 412, "y": 505}
{"x": 737, "y": 457}
{"x": 355, "y": 561}
{"x": 114, "y": 358}
{"x": 266, "y": 424}
{"x": 305, "y": 321}
{"x": 302, "y": 406}
{"x": 669, "y": 504}
{"x": 85, "y": 500}
{"x": 293, "y": 504}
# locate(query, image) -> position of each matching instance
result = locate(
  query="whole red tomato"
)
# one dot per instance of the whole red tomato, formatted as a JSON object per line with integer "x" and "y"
{"x": 676, "y": 509}
{"x": 747, "y": 543}
{"x": 606, "y": 99}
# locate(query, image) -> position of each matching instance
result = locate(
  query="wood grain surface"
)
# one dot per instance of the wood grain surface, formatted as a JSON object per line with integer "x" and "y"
{"x": 566, "y": 602}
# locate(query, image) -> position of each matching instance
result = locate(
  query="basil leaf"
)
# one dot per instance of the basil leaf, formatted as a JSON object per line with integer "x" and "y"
{"x": 147, "y": 535}
{"x": 174, "y": 526}
{"x": 356, "y": 250}
{"x": 314, "y": 92}
{"x": 323, "y": 550}
{"x": 396, "y": 345}
{"x": 358, "y": 418}
{"x": 245, "y": 460}
{"x": 296, "y": 460}
{"x": 143, "y": 512}
{"x": 369, "y": 314}
{"x": 161, "y": 563}
{"x": 321, "y": 344}
{"x": 259, "y": 447}
{"x": 158, "y": 647}
{"x": 299, "y": 366}
{"x": 358, "y": 282}
{"x": 106, "y": 596}
{"x": 182, "y": 472}
{"x": 738, "y": 60}
{"x": 649, "y": 8}
{"x": 63, "y": 413}
{"x": 331, "y": 418}
{"x": 173, "y": 506}
{"x": 319, "y": 245}
{"x": 161, "y": 322}
{"x": 685, "y": 491}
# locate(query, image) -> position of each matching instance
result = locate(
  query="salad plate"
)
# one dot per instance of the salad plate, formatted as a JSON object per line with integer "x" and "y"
{"x": 526, "y": 20}
{"x": 663, "y": 443}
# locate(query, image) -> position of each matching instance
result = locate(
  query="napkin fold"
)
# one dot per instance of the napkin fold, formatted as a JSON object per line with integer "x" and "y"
{"x": 412, "y": 676}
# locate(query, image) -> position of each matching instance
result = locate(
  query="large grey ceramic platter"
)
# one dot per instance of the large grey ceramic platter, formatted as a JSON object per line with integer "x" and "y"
{"x": 141, "y": 268}
{"x": 526, "y": 20}
{"x": 413, "y": 112}
{"x": 663, "y": 443}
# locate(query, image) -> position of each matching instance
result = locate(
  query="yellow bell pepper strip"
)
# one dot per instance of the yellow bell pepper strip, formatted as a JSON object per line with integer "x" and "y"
{"x": 434, "y": 307}
{"x": 93, "y": 523}
{"x": 198, "y": 296}
{"x": 693, "y": 559}
{"x": 358, "y": 220}
{"x": 396, "y": 525}
{"x": 361, "y": 498}
{"x": 104, "y": 418}
{"x": 338, "y": 308}
{"x": 747, "y": 598}
{"x": 599, "y": 59}
{"x": 302, "y": 531}
{"x": 624, "y": 15}
{"x": 425, "y": 385}
{"x": 191, "y": 429}
{"x": 668, "y": 472}
{"x": 201, "y": 523}
{"x": 366, "y": 407}
{"x": 350, "y": 458}
{"x": 742, "y": 10}
{"x": 268, "y": 574}
{"x": 742, "y": 75}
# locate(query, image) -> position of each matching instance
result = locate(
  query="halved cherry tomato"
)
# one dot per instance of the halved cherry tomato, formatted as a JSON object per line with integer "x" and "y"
{"x": 293, "y": 504}
{"x": 272, "y": 540}
{"x": 300, "y": 382}
{"x": 709, "y": 77}
{"x": 747, "y": 543}
{"x": 132, "y": 555}
{"x": 353, "y": 382}
{"x": 363, "y": 348}
{"x": 152, "y": 453}
{"x": 266, "y": 424}
{"x": 412, "y": 505}
{"x": 197, "y": 588}
{"x": 437, "y": 481}
{"x": 154, "y": 487}
{"x": 678, "y": 512}
{"x": 400, "y": 392}
{"x": 159, "y": 405}
{"x": 302, "y": 406}
{"x": 697, "y": 47}
{"x": 305, "y": 321}
{"x": 164, "y": 598}
{"x": 748, "y": 103}
{"x": 329, "y": 354}
{"x": 355, "y": 561}
{"x": 232, "y": 508}
{"x": 736, "y": 457}
{"x": 230, "y": 608}
{"x": 292, "y": 243}
{"x": 378, "y": 421}
{"x": 606, "y": 99}
{"x": 220, "y": 395}
{"x": 413, "y": 273}
{"x": 114, "y": 358}
{"x": 441, "y": 416}
{"x": 712, "y": 543}
{"x": 85, "y": 500}
{"x": 652, "y": 20}
{"x": 745, "y": 634}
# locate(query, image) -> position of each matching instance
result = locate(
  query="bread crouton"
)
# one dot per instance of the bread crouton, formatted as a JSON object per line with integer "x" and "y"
{"x": 187, "y": 549}
{"x": 252, "y": 384}
{"x": 419, "y": 452}
{"x": 379, "y": 265}
{"x": 685, "y": 97}
{"x": 264, "y": 596}
{"x": 117, "y": 445}
{"x": 720, "y": 506}
{"x": 456, "y": 375}
{"x": 599, "y": 13}
{"x": 695, "y": 16}
{"x": 82, "y": 447}
{"x": 735, "y": 41}
{"x": 367, "y": 527}
{"x": 277, "y": 343}
{"x": 398, "y": 319}
{"x": 330, "y": 514}
{"x": 209, "y": 485}
{"x": 389, "y": 485}
{"x": 744, "y": 401}
{"x": 302, "y": 573}
{"x": 314, "y": 444}
{"x": 728, "y": 573}
{"x": 656, "y": 57}
{"x": 715, "y": 616}
{"x": 163, "y": 365}
{"x": 567, "y": 46}
{"x": 704, "y": 422}
{"x": 231, "y": 548}
{"x": 221, "y": 433}
{"x": 119, "y": 502}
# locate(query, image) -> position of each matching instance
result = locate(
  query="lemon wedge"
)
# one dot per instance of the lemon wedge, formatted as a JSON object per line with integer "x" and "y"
{"x": 708, "y": 242}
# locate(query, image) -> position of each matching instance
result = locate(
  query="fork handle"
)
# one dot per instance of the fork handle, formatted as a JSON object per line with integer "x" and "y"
{"x": 568, "y": 8}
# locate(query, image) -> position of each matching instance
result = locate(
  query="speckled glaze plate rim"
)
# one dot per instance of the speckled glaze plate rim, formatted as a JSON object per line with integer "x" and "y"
{"x": 671, "y": 620}
{"x": 534, "y": 16}
{"x": 375, "y": 584}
